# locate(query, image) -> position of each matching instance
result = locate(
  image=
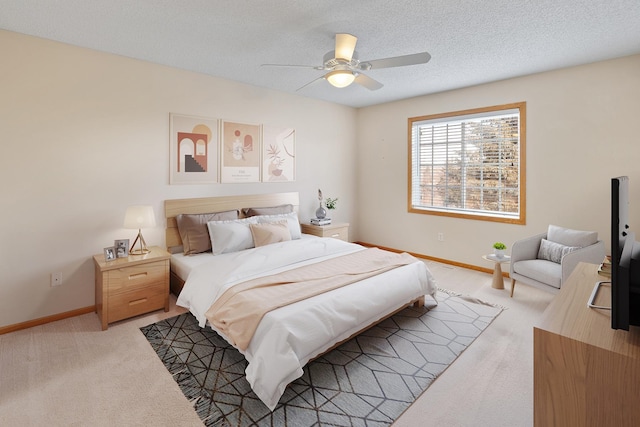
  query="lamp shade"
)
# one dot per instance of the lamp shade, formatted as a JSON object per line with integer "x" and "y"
{"x": 340, "y": 78}
{"x": 139, "y": 217}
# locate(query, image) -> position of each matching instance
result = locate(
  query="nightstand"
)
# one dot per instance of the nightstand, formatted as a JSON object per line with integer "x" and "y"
{"x": 127, "y": 287}
{"x": 339, "y": 230}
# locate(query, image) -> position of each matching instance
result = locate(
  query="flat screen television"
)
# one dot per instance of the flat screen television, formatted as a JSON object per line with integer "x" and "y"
{"x": 625, "y": 260}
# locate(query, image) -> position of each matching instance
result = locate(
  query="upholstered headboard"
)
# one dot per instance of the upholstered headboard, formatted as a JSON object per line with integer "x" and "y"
{"x": 175, "y": 207}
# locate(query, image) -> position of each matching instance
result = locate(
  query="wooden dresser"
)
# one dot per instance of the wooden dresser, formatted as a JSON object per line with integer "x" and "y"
{"x": 127, "y": 287}
{"x": 585, "y": 373}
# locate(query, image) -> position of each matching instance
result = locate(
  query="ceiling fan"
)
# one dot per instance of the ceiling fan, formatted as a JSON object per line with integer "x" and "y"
{"x": 343, "y": 66}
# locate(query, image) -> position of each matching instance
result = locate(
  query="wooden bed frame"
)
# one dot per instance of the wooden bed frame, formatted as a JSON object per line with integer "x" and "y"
{"x": 175, "y": 207}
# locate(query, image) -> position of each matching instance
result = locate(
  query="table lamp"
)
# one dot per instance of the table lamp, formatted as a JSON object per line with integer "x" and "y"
{"x": 139, "y": 217}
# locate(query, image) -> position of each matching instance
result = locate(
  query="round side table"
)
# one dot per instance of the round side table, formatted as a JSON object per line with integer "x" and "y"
{"x": 498, "y": 280}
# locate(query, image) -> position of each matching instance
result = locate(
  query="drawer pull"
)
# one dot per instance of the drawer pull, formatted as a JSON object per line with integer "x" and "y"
{"x": 138, "y": 301}
{"x": 335, "y": 235}
{"x": 137, "y": 275}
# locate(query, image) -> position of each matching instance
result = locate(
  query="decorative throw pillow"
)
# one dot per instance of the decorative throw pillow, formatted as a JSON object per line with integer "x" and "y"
{"x": 292, "y": 221}
{"x": 553, "y": 251}
{"x": 569, "y": 237}
{"x": 193, "y": 229}
{"x": 271, "y": 232}
{"x": 231, "y": 236}
{"x": 270, "y": 210}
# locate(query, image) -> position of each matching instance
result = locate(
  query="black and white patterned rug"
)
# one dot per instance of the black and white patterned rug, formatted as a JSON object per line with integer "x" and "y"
{"x": 368, "y": 381}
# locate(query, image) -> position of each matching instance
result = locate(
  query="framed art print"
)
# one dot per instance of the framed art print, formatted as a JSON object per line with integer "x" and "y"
{"x": 278, "y": 154}
{"x": 240, "y": 152}
{"x": 193, "y": 150}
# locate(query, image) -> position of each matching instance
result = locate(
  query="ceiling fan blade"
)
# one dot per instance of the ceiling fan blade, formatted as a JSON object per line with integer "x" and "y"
{"x": 396, "y": 61}
{"x": 345, "y": 45}
{"x": 368, "y": 82}
{"x": 310, "y": 83}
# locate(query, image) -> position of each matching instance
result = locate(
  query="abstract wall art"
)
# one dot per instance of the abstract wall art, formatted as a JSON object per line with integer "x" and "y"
{"x": 240, "y": 154}
{"x": 193, "y": 150}
{"x": 278, "y": 154}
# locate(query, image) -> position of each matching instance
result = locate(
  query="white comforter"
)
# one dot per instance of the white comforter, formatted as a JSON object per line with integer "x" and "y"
{"x": 289, "y": 337}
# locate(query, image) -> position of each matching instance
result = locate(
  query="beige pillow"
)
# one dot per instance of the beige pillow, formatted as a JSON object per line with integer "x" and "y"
{"x": 292, "y": 221}
{"x": 272, "y": 232}
{"x": 270, "y": 210}
{"x": 193, "y": 229}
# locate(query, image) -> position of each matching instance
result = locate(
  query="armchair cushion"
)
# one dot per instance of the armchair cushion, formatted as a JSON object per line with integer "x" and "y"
{"x": 552, "y": 251}
{"x": 568, "y": 237}
{"x": 540, "y": 270}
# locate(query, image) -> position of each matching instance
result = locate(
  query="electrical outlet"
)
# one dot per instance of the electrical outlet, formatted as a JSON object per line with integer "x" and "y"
{"x": 56, "y": 279}
{"x": 440, "y": 237}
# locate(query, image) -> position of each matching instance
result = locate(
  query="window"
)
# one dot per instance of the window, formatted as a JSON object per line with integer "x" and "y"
{"x": 469, "y": 164}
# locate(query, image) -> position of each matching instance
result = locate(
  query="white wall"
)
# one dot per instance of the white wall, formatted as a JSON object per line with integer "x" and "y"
{"x": 582, "y": 129}
{"x": 85, "y": 134}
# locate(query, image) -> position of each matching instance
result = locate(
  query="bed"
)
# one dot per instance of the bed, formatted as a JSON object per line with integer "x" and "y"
{"x": 287, "y": 337}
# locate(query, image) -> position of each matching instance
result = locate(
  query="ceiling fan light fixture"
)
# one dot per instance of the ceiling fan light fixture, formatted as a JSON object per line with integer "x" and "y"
{"x": 340, "y": 78}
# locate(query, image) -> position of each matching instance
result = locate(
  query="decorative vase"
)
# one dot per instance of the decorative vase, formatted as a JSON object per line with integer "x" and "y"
{"x": 499, "y": 253}
{"x": 321, "y": 213}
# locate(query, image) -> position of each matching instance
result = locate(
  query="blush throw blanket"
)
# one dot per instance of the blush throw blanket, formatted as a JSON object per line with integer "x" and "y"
{"x": 239, "y": 310}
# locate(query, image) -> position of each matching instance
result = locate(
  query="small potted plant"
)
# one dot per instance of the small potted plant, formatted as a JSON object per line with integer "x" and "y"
{"x": 498, "y": 249}
{"x": 330, "y": 203}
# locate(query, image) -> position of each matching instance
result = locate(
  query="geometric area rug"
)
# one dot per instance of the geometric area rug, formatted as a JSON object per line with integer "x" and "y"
{"x": 367, "y": 381}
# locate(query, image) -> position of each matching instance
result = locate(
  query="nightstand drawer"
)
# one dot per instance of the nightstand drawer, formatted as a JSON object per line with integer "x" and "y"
{"x": 337, "y": 231}
{"x": 128, "y": 304}
{"x": 129, "y": 278}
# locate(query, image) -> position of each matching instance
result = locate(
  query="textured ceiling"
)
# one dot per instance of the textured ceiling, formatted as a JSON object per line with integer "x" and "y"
{"x": 471, "y": 42}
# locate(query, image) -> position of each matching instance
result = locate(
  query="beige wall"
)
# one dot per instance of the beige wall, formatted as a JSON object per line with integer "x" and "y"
{"x": 85, "y": 134}
{"x": 582, "y": 129}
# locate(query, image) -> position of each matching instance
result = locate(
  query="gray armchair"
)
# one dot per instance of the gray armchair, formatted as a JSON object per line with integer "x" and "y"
{"x": 546, "y": 260}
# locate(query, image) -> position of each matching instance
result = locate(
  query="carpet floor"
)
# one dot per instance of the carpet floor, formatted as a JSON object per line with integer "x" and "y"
{"x": 367, "y": 381}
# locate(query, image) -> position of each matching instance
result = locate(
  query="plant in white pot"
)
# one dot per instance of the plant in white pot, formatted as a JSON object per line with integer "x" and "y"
{"x": 498, "y": 249}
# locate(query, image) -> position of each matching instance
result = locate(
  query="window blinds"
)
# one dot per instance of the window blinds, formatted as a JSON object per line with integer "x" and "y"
{"x": 468, "y": 163}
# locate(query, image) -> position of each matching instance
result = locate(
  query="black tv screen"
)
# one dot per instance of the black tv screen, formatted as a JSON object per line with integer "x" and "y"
{"x": 625, "y": 260}
{"x": 619, "y": 231}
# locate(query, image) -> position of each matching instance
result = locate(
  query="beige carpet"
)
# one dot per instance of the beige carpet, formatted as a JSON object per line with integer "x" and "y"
{"x": 70, "y": 373}
{"x": 491, "y": 383}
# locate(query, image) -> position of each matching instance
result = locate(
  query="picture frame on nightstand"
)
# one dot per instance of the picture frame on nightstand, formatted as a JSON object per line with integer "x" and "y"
{"x": 110, "y": 253}
{"x": 122, "y": 248}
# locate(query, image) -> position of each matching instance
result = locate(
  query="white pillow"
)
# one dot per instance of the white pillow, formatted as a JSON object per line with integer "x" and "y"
{"x": 292, "y": 222}
{"x": 231, "y": 236}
